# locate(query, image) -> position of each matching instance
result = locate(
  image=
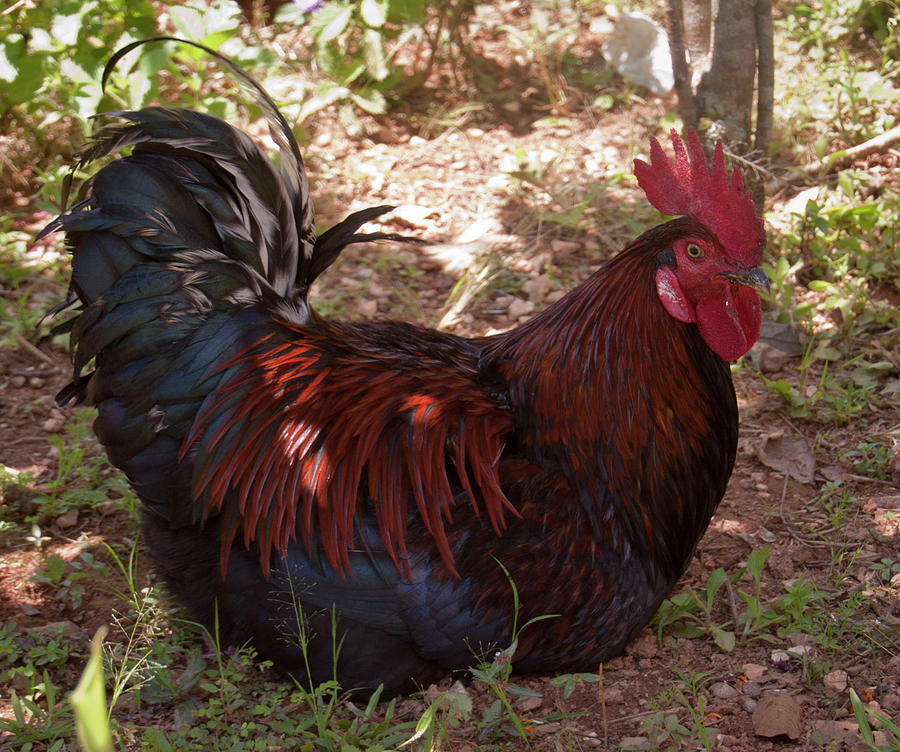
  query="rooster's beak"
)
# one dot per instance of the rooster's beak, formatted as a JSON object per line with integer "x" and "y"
{"x": 753, "y": 278}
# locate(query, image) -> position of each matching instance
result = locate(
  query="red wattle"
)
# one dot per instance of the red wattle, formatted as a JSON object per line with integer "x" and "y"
{"x": 730, "y": 323}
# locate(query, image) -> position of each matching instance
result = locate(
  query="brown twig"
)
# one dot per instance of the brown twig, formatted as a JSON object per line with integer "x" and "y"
{"x": 32, "y": 350}
{"x": 842, "y": 158}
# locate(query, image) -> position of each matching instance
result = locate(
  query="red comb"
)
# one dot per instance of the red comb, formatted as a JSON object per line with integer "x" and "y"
{"x": 689, "y": 187}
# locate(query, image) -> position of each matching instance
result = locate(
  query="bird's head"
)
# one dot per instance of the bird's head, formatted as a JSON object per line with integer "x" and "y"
{"x": 709, "y": 272}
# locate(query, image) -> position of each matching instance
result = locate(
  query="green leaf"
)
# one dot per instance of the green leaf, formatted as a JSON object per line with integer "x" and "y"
{"x": 23, "y": 73}
{"x": 89, "y": 702}
{"x": 373, "y": 12}
{"x": 331, "y": 22}
{"x": 370, "y": 100}
{"x": 715, "y": 581}
{"x": 373, "y": 55}
{"x": 724, "y": 639}
{"x": 408, "y": 11}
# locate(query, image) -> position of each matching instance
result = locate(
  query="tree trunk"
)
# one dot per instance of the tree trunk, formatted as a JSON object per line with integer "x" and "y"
{"x": 716, "y": 86}
{"x": 725, "y": 92}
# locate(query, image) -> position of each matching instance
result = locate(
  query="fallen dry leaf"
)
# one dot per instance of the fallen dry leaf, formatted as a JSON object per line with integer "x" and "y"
{"x": 789, "y": 456}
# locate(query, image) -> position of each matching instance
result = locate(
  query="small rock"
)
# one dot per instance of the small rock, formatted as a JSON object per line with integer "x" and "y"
{"x": 67, "y": 519}
{"x": 748, "y": 704}
{"x": 55, "y": 423}
{"x": 723, "y": 691}
{"x": 519, "y": 308}
{"x": 836, "y": 681}
{"x": 753, "y": 671}
{"x": 36, "y": 382}
{"x": 726, "y": 742}
{"x": 555, "y": 295}
{"x": 777, "y": 714}
{"x": 564, "y": 246}
{"x": 634, "y": 743}
{"x": 751, "y": 689}
{"x": 894, "y": 466}
{"x": 793, "y": 652}
{"x": 545, "y": 729}
{"x": 771, "y": 359}
{"x": 108, "y": 507}
{"x": 367, "y": 308}
{"x": 613, "y": 695}
{"x": 413, "y": 215}
{"x": 65, "y": 627}
{"x": 842, "y": 732}
{"x": 474, "y": 132}
{"x": 833, "y": 473}
{"x": 17, "y": 382}
{"x": 536, "y": 288}
{"x": 529, "y": 704}
{"x": 891, "y": 701}
{"x": 645, "y": 646}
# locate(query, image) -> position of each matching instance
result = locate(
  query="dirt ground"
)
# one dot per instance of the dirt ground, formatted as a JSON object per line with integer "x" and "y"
{"x": 457, "y": 189}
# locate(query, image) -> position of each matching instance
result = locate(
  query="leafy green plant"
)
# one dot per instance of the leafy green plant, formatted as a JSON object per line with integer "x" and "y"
{"x": 354, "y": 47}
{"x": 55, "y": 68}
{"x": 886, "y": 568}
{"x": 871, "y": 458}
{"x": 48, "y": 723}
{"x": 695, "y": 612}
{"x": 665, "y": 731}
{"x": 836, "y": 500}
{"x": 867, "y": 718}
{"x": 570, "y": 682}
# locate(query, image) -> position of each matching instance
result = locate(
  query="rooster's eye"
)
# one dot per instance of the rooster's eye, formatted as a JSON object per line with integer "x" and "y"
{"x": 694, "y": 251}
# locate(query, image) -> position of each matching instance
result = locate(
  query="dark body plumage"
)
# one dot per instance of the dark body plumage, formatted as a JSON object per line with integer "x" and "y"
{"x": 290, "y": 464}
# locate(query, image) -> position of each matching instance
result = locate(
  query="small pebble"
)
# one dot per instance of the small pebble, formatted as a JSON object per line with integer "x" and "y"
{"x": 67, "y": 519}
{"x": 54, "y": 423}
{"x": 565, "y": 246}
{"x": 723, "y": 691}
{"x": 751, "y": 689}
{"x": 17, "y": 382}
{"x": 36, "y": 382}
{"x": 520, "y": 308}
{"x": 748, "y": 704}
{"x": 530, "y": 704}
{"x": 836, "y": 681}
{"x": 536, "y": 288}
{"x": 367, "y": 308}
{"x": 753, "y": 671}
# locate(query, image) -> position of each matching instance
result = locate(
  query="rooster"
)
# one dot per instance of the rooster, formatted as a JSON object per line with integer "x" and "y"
{"x": 374, "y": 490}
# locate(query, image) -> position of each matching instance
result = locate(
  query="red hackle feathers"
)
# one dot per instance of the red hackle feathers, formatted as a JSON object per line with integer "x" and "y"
{"x": 304, "y": 434}
{"x": 689, "y": 187}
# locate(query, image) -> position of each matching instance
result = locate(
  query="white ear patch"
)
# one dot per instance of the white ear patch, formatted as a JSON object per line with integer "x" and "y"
{"x": 672, "y": 297}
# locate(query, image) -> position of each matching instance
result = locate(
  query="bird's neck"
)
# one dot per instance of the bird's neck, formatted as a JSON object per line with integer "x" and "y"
{"x": 610, "y": 391}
